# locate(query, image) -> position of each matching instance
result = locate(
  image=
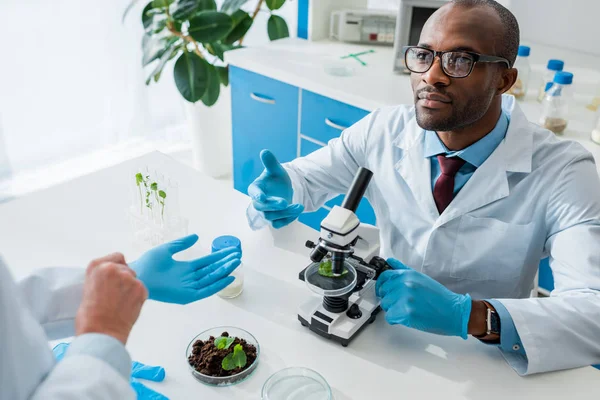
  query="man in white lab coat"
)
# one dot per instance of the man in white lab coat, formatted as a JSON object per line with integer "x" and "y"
{"x": 469, "y": 196}
{"x": 99, "y": 306}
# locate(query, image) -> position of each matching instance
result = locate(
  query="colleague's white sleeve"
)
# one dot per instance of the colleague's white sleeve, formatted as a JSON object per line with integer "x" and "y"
{"x": 53, "y": 296}
{"x": 563, "y": 331}
{"x": 329, "y": 171}
{"x": 84, "y": 377}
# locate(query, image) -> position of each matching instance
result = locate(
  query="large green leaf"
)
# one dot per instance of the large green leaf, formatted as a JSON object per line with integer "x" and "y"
{"x": 161, "y": 3}
{"x": 277, "y": 28}
{"x": 182, "y": 10}
{"x": 207, "y": 5}
{"x": 230, "y": 6}
{"x": 242, "y": 21}
{"x": 191, "y": 76}
{"x": 214, "y": 87}
{"x": 218, "y": 49}
{"x": 274, "y": 4}
{"x": 210, "y": 26}
{"x": 154, "y": 46}
{"x": 146, "y": 16}
{"x": 166, "y": 56}
{"x": 223, "y": 75}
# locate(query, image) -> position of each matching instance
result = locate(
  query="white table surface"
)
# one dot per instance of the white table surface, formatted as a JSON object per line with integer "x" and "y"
{"x": 76, "y": 221}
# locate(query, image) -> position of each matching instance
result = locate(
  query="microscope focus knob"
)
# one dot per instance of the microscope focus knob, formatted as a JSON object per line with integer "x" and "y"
{"x": 379, "y": 265}
{"x": 354, "y": 312}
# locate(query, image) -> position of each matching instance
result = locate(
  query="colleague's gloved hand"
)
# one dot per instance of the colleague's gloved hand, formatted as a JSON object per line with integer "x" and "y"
{"x": 272, "y": 193}
{"x": 138, "y": 370}
{"x": 415, "y": 300}
{"x": 183, "y": 282}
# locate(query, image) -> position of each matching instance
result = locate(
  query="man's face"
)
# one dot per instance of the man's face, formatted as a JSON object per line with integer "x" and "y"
{"x": 443, "y": 103}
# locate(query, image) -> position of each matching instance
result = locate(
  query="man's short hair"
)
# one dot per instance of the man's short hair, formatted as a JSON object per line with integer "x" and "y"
{"x": 509, "y": 42}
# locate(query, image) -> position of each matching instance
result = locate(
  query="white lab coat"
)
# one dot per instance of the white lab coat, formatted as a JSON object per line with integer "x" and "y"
{"x": 535, "y": 196}
{"x": 42, "y": 307}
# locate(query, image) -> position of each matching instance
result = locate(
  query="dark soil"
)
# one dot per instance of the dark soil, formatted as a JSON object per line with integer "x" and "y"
{"x": 207, "y": 359}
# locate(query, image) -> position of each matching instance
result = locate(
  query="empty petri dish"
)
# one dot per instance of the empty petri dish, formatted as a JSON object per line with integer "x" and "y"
{"x": 331, "y": 286}
{"x": 296, "y": 383}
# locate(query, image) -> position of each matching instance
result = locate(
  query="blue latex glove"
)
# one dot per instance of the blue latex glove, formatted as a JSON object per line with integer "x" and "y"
{"x": 138, "y": 370}
{"x": 415, "y": 300}
{"x": 183, "y": 282}
{"x": 272, "y": 193}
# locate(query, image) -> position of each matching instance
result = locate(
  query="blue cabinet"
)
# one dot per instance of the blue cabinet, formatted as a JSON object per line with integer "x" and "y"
{"x": 545, "y": 278}
{"x": 264, "y": 115}
{"x": 324, "y": 119}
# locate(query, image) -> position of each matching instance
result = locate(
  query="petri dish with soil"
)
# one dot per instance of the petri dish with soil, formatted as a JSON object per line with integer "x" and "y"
{"x": 223, "y": 356}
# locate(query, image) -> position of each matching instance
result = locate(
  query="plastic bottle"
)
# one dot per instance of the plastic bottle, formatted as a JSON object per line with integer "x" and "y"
{"x": 237, "y": 286}
{"x": 555, "y": 112}
{"x": 554, "y": 66}
{"x": 519, "y": 89}
{"x": 596, "y": 132}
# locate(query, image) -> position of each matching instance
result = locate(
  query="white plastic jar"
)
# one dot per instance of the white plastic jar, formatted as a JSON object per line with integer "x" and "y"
{"x": 237, "y": 286}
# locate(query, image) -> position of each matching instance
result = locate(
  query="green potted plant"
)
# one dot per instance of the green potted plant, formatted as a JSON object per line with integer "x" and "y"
{"x": 192, "y": 37}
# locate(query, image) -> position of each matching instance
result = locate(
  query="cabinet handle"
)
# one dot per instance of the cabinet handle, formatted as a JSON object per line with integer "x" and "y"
{"x": 332, "y": 124}
{"x": 265, "y": 100}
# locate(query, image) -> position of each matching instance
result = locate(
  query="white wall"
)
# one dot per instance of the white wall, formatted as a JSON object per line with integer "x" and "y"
{"x": 569, "y": 24}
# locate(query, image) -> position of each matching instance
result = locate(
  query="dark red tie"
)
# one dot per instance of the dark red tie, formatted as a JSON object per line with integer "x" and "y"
{"x": 443, "y": 191}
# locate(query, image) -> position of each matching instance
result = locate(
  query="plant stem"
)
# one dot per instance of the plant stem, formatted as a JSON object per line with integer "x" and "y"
{"x": 141, "y": 199}
{"x": 187, "y": 38}
{"x": 254, "y": 14}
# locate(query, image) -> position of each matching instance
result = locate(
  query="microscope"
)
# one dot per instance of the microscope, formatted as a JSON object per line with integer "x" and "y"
{"x": 344, "y": 269}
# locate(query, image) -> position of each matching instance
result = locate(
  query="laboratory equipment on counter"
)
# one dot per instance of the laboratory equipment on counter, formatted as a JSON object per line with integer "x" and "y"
{"x": 237, "y": 286}
{"x": 344, "y": 268}
{"x": 363, "y": 26}
{"x": 519, "y": 89}
{"x": 555, "y": 107}
{"x": 296, "y": 383}
{"x": 412, "y": 16}
{"x": 553, "y": 67}
{"x": 154, "y": 212}
{"x": 212, "y": 374}
{"x": 596, "y": 131}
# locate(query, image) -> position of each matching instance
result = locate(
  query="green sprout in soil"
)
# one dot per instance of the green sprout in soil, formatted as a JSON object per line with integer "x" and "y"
{"x": 235, "y": 359}
{"x": 223, "y": 342}
{"x": 326, "y": 269}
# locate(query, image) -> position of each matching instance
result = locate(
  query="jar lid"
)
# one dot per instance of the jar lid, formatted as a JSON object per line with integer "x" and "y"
{"x": 556, "y": 65}
{"x": 563, "y": 78}
{"x": 524, "y": 51}
{"x": 223, "y": 242}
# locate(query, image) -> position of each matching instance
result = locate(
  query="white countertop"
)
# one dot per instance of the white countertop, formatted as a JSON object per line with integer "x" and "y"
{"x": 72, "y": 223}
{"x": 303, "y": 64}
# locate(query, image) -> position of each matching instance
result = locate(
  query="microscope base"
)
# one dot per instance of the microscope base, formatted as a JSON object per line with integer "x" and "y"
{"x": 340, "y": 327}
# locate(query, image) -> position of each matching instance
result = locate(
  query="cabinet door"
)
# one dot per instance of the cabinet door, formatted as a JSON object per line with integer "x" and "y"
{"x": 545, "y": 279}
{"x": 264, "y": 116}
{"x": 324, "y": 119}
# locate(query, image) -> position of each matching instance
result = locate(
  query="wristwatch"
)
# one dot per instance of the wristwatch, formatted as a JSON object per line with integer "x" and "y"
{"x": 492, "y": 322}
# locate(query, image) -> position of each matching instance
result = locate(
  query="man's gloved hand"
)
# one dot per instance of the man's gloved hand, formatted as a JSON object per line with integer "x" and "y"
{"x": 415, "y": 300}
{"x": 183, "y": 282}
{"x": 138, "y": 370}
{"x": 272, "y": 193}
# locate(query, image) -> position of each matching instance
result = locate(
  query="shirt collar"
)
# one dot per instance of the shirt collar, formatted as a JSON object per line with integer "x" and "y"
{"x": 476, "y": 153}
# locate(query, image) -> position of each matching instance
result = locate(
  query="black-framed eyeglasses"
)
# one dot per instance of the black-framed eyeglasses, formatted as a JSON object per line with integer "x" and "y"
{"x": 455, "y": 64}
